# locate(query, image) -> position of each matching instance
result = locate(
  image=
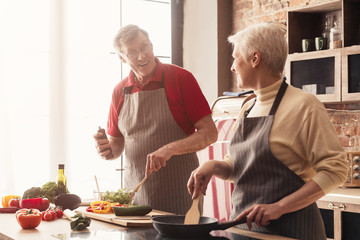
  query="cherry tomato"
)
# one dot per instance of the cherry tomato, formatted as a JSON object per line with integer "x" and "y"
{"x": 47, "y": 216}
{"x": 53, "y": 214}
{"x": 59, "y": 212}
{"x": 28, "y": 218}
{"x": 14, "y": 202}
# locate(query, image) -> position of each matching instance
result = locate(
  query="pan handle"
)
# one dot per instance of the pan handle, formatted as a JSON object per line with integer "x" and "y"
{"x": 228, "y": 224}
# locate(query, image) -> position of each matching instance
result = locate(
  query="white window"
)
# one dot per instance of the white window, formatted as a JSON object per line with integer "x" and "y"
{"x": 58, "y": 73}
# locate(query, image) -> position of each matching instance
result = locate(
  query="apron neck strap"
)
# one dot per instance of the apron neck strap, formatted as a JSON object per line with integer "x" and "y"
{"x": 278, "y": 98}
{"x": 276, "y": 103}
{"x": 128, "y": 90}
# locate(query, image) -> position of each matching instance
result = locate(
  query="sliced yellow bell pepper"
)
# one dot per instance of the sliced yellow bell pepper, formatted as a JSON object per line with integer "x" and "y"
{"x": 5, "y": 199}
{"x": 100, "y": 207}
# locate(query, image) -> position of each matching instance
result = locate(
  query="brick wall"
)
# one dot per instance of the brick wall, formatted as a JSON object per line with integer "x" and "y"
{"x": 345, "y": 117}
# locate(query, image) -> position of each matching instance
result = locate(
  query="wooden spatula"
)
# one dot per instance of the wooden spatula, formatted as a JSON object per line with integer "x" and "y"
{"x": 132, "y": 193}
{"x": 193, "y": 215}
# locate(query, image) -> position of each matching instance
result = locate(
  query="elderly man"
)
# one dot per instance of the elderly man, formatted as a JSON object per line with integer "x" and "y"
{"x": 160, "y": 116}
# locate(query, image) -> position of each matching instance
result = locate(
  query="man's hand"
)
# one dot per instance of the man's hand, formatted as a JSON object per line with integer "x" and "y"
{"x": 108, "y": 148}
{"x": 157, "y": 159}
{"x": 102, "y": 144}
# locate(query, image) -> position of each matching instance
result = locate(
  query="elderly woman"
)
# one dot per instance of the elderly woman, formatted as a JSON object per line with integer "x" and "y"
{"x": 284, "y": 154}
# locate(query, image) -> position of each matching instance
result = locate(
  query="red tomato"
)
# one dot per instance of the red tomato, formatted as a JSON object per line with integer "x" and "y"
{"x": 14, "y": 202}
{"x": 47, "y": 216}
{"x": 53, "y": 214}
{"x": 42, "y": 215}
{"x": 59, "y": 212}
{"x": 28, "y": 218}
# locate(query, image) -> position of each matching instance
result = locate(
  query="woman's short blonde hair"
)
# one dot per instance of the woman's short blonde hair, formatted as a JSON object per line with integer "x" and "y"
{"x": 127, "y": 34}
{"x": 268, "y": 39}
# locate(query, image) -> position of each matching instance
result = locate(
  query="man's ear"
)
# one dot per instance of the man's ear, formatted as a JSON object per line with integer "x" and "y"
{"x": 255, "y": 59}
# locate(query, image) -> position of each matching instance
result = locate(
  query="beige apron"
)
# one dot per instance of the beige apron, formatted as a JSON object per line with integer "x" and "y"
{"x": 259, "y": 177}
{"x": 147, "y": 124}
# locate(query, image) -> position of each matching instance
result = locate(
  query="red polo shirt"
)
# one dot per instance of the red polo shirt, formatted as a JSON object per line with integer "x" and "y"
{"x": 185, "y": 98}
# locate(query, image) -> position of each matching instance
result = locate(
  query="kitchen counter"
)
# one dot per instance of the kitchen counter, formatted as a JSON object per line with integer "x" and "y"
{"x": 341, "y": 207}
{"x": 343, "y": 195}
{"x": 10, "y": 229}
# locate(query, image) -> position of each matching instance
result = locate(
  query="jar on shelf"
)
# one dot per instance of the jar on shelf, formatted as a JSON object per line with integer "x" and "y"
{"x": 336, "y": 36}
{"x": 328, "y": 26}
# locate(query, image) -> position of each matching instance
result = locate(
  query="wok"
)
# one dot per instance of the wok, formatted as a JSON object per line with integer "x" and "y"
{"x": 173, "y": 226}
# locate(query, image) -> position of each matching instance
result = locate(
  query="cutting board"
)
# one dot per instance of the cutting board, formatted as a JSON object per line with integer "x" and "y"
{"x": 126, "y": 221}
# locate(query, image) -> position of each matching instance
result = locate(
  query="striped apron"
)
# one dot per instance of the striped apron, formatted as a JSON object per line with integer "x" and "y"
{"x": 259, "y": 177}
{"x": 147, "y": 124}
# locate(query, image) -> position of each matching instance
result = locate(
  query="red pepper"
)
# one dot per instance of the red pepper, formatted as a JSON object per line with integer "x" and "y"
{"x": 31, "y": 203}
{"x": 89, "y": 209}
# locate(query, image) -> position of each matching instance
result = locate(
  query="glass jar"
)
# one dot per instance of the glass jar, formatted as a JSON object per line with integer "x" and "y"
{"x": 336, "y": 36}
{"x": 326, "y": 32}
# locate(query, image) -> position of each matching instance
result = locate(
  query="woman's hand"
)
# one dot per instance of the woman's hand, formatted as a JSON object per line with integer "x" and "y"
{"x": 261, "y": 214}
{"x": 200, "y": 177}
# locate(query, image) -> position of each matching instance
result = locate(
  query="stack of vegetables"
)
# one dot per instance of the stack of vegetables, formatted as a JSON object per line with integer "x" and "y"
{"x": 41, "y": 203}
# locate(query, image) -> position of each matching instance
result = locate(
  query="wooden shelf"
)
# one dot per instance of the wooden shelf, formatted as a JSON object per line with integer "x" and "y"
{"x": 317, "y": 67}
{"x": 336, "y": 68}
{"x": 351, "y": 74}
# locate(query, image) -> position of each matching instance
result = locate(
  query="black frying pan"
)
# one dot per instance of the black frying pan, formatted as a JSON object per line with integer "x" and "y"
{"x": 173, "y": 226}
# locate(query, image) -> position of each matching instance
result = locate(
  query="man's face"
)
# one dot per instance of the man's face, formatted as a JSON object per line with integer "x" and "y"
{"x": 139, "y": 55}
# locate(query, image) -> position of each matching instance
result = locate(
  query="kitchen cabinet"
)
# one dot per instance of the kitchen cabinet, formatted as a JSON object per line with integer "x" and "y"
{"x": 341, "y": 213}
{"x": 330, "y": 74}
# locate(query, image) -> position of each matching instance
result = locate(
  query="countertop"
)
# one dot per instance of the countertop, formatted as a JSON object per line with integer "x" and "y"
{"x": 10, "y": 229}
{"x": 343, "y": 195}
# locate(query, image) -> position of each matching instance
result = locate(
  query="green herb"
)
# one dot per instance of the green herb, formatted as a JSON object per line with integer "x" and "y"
{"x": 79, "y": 222}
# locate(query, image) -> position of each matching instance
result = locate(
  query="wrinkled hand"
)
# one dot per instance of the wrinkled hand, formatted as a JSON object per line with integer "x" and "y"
{"x": 261, "y": 214}
{"x": 157, "y": 159}
{"x": 199, "y": 179}
{"x": 102, "y": 145}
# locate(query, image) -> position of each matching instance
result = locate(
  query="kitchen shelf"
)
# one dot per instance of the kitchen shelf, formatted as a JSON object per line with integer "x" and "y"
{"x": 331, "y": 74}
{"x": 309, "y": 22}
{"x": 320, "y": 68}
{"x": 351, "y": 73}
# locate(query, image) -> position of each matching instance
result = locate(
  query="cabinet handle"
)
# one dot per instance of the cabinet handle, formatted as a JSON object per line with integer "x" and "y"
{"x": 342, "y": 207}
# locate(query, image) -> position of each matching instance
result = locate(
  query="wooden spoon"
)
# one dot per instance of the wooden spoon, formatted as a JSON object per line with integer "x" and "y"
{"x": 132, "y": 193}
{"x": 193, "y": 215}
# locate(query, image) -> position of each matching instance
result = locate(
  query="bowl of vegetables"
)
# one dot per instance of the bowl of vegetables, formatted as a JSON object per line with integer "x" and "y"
{"x": 119, "y": 196}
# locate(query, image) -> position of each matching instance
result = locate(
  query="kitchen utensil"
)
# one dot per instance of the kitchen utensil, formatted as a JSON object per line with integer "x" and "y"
{"x": 173, "y": 226}
{"x": 98, "y": 189}
{"x": 132, "y": 193}
{"x": 126, "y": 221}
{"x": 193, "y": 215}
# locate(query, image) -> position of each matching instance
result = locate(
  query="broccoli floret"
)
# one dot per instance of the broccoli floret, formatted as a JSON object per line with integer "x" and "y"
{"x": 50, "y": 190}
{"x": 33, "y": 192}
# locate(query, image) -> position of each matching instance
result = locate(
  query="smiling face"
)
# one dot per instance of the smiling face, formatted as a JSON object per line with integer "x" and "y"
{"x": 138, "y": 53}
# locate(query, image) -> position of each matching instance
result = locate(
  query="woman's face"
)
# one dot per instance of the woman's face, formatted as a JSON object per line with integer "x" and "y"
{"x": 139, "y": 55}
{"x": 243, "y": 70}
